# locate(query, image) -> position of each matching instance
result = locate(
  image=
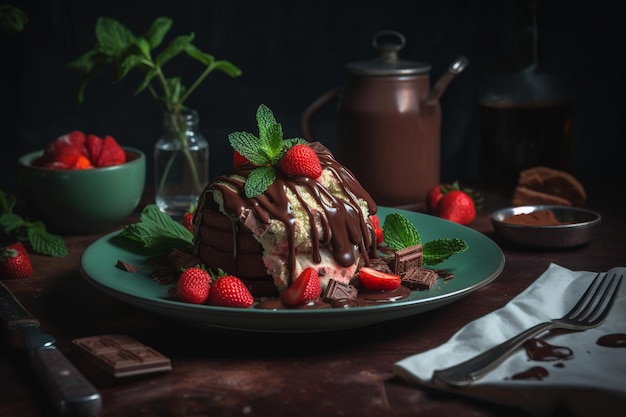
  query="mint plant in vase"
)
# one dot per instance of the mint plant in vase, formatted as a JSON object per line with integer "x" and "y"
{"x": 181, "y": 154}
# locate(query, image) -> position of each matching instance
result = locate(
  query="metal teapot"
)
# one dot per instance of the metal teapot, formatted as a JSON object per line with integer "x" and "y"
{"x": 389, "y": 123}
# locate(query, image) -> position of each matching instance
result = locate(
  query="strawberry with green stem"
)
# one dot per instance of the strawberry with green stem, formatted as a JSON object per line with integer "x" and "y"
{"x": 15, "y": 262}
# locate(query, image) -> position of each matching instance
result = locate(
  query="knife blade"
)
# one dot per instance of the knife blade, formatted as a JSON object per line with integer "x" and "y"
{"x": 70, "y": 392}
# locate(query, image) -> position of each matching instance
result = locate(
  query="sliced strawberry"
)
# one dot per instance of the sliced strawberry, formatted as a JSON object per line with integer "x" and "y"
{"x": 111, "y": 153}
{"x": 94, "y": 147}
{"x": 66, "y": 149}
{"x": 82, "y": 163}
{"x": 305, "y": 288}
{"x": 378, "y": 281}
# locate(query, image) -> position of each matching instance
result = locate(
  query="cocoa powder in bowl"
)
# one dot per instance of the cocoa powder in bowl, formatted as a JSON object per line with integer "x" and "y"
{"x": 536, "y": 218}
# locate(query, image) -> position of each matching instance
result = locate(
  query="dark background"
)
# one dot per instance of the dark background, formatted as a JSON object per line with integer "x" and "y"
{"x": 291, "y": 52}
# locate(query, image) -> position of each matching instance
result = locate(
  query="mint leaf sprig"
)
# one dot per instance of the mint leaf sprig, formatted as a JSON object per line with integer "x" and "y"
{"x": 264, "y": 151}
{"x": 400, "y": 233}
{"x": 157, "y": 231}
{"x": 33, "y": 233}
{"x": 117, "y": 46}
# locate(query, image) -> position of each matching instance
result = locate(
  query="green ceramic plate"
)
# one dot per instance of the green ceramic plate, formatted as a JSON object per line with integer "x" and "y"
{"x": 473, "y": 269}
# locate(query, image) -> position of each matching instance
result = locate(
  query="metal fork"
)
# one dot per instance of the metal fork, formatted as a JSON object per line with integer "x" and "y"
{"x": 590, "y": 311}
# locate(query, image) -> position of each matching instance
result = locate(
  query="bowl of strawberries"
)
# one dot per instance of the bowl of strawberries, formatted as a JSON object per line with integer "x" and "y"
{"x": 81, "y": 183}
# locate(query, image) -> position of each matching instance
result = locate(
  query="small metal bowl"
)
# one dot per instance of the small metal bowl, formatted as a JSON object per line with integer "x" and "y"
{"x": 580, "y": 226}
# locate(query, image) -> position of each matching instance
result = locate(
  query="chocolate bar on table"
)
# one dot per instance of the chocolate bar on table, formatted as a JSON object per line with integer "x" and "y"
{"x": 122, "y": 355}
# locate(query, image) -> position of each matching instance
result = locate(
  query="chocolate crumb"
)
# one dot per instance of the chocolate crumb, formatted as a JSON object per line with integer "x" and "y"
{"x": 127, "y": 267}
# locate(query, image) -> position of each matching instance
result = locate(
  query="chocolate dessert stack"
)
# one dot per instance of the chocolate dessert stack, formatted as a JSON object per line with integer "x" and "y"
{"x": 297, "y": 222}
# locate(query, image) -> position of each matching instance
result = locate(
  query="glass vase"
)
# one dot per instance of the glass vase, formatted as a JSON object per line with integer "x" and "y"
{"x": 181, "y": 163}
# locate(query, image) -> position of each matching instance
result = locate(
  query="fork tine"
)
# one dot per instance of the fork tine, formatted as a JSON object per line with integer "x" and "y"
{"x": 607, "y": 307}
{"x": 585, "y": 299}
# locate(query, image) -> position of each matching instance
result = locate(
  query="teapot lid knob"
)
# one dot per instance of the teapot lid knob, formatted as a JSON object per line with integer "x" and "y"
{"x": 388, "y": 50}
{"x": 388, "y": 43}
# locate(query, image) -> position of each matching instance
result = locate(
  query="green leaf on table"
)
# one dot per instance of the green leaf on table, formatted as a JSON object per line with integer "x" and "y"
{"x": 438, "y": 250}
{"x": 45, "y": 243}
{"x": 399, "y": 232}
{"x": 157, "y": 230}
{"x": 30, "y": 232}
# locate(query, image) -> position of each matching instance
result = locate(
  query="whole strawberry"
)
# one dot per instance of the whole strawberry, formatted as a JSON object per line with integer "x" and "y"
{"x": 193, "y": 286}
{"x": 230, "y": 291}
{"x": 301, "y": 161}
{"x": 456, "y": 206}
{"x": 15, "y": 262}
{"x": 305, "y": 288}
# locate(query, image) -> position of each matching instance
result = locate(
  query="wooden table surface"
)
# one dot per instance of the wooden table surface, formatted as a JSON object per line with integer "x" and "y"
{"x": 216, "y": 373}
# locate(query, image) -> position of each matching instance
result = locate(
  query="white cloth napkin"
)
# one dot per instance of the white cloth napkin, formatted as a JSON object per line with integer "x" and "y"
{"x": 592, "y": 382}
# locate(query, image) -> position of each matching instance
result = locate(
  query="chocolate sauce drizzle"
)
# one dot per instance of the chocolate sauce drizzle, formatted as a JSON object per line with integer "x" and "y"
{"x": 343, "y": 224}
{"x": 614, "y": 340}
{"x": 540, "y": 350}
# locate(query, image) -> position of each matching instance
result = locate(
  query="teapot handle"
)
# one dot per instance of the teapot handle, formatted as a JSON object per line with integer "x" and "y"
{"x": 313, "y": 108}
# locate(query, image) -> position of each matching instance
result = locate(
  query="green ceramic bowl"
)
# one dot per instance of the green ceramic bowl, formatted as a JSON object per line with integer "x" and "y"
{"x": 82, "y": 201}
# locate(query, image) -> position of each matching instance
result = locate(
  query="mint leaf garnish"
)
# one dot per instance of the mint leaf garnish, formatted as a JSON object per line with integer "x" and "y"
{"x": 259, "y": 179}
{"x": 399, "y": 232}
{"x": 157, "y": 230}
{"x": 33, "y": 233}
{"x": 265, "y": 150}
{"x": 248, "y": 145}
{"x": 438, "y": 250}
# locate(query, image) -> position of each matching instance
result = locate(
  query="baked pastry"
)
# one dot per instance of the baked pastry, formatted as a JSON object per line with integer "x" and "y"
{"x": 297, "y": 222}
{"x": 544, "y": 185}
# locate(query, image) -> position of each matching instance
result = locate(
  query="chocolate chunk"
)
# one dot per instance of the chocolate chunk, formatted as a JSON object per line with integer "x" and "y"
{"x": 444, "y": 274}
{"x": 122, "y": 355}
{"x": 336, "y": 290}
{"x": 125, "y": 266}
{"x": 420, "y": 278}
{"x": 408, "y": 258}
{"x": 182, "y": 260}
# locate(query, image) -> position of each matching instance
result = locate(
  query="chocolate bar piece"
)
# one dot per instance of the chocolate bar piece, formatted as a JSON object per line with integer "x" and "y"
{"x": 122, "y": 355}
{"x": 336, "y": 290}
{"x": 127, "y": 267}
{"x": 420, "y": 279}
{"x": 408, "y": 258}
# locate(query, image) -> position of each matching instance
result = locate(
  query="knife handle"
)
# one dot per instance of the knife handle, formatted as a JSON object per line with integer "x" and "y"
{"x": 71, "y": 393}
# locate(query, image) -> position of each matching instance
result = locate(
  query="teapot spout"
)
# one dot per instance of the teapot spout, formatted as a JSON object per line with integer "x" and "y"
{"x": 455, "y": 68}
